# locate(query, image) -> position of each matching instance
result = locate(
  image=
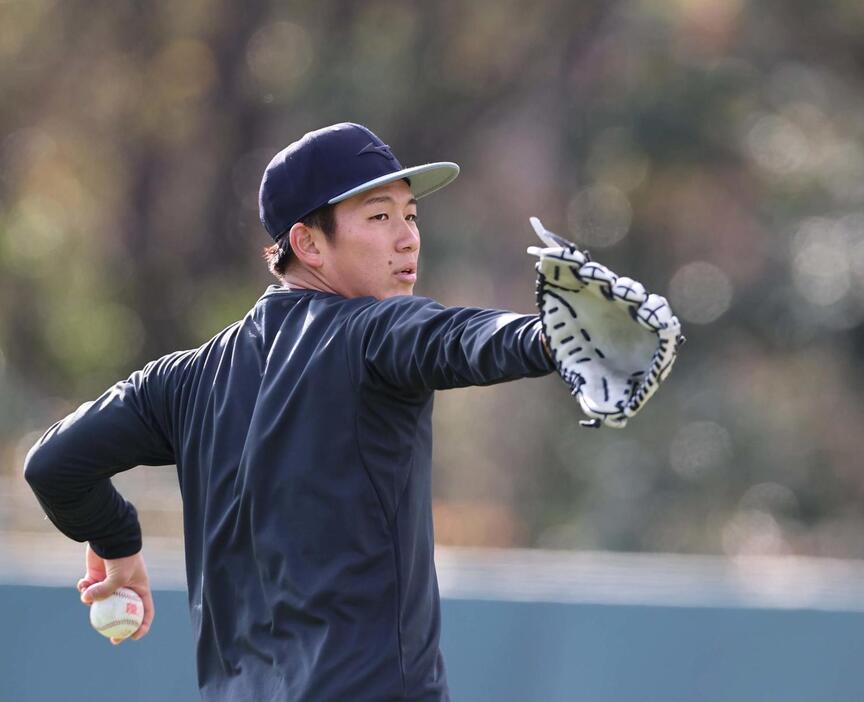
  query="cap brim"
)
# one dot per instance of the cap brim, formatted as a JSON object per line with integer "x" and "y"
{"x": 424, "y": 179}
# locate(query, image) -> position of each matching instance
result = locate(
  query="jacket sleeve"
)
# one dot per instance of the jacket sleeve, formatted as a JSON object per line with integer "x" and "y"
{"x": 70, "y": 467}
{"x": 414, "y": 343}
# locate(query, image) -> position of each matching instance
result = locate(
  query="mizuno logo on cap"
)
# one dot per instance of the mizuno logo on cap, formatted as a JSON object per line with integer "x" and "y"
{"x": 382, "y": 150}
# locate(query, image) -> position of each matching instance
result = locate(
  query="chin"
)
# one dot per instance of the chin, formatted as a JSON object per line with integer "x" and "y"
{"x": 399, "y": 290}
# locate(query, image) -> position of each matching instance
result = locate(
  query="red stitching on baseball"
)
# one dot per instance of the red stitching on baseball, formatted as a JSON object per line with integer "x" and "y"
{"x": 130, "y": 622}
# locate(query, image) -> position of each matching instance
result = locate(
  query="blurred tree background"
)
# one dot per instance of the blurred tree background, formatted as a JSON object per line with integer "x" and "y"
{"x": 713, "y": 149}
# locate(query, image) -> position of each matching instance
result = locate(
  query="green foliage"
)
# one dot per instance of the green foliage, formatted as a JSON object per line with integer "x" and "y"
{"x": 712, "y": 148}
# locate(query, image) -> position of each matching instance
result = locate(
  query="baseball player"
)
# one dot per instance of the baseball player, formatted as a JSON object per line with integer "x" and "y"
{"x": 302, "y": 440}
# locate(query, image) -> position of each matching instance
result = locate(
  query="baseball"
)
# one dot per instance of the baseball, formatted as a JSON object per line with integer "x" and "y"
{"x": 118, "y": 616}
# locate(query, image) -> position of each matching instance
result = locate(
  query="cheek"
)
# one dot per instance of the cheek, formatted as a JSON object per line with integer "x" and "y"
{"x": 370, "y": 266}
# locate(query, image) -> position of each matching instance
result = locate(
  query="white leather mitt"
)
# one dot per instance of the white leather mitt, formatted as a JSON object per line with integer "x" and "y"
{"x": 613, "y": 342}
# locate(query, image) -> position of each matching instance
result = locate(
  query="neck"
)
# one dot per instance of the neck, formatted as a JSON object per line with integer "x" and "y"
{"x": 305, "y": 279}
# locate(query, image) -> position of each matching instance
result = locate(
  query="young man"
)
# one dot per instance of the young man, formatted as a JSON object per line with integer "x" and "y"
{"x": 302, "y": 439}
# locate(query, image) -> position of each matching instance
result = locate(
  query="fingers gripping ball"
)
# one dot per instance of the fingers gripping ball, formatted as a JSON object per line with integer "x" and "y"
{"x": 612, "y": 341}
{"x": 119, "y": 615}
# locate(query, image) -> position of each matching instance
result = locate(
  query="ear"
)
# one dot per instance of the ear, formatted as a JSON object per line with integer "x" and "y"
{"x": 304, "y": 244}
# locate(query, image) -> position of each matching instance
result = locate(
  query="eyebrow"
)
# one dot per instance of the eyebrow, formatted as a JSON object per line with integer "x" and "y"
{"x": 386, "y": 198}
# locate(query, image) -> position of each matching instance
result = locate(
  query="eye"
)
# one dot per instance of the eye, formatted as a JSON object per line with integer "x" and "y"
{"x": 411, "y": 217}
{"x": 380, "y": 217}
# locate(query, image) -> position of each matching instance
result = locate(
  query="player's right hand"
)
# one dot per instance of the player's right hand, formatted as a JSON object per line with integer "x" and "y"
{"x": 103, "y": 576}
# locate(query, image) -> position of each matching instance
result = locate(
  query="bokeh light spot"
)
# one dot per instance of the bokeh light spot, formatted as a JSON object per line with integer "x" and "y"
{"x": 854, "y": 227}
{"x": 700, "y": 292}
{"x": 778, "y": 145}
{"x": 599, "y": 216}
{"x": 278, "y": 56}
{"x": 772, "y": 498}
{"x": 34, "y": 231}
{"x": 820, "y": 262}
{"x": 752, "y": 533}
{"x": 184, "y": 70}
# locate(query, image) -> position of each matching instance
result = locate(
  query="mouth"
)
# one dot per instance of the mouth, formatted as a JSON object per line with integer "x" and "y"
{"x": 408, "y": 274}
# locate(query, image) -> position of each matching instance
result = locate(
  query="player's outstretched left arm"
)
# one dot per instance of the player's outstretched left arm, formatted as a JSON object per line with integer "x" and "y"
{"x": 612, "y": 342}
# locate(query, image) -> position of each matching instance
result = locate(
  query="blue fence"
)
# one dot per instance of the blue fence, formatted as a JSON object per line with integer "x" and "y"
{"x": 506, "y": 651}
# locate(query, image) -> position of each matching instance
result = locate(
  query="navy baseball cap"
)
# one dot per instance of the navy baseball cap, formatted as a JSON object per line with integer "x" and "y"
{"x": 330, "y": 165}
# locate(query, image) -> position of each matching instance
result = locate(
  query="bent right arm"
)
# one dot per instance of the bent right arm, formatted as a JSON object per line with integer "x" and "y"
{"x": 70, "y": 467}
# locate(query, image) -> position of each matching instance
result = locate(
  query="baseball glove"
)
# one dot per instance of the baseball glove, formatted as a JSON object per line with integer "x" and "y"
{"x": 613, "y": 343}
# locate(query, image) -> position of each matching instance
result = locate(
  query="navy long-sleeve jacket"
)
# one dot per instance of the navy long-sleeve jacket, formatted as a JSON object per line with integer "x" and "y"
{"x": 302, "y": 439}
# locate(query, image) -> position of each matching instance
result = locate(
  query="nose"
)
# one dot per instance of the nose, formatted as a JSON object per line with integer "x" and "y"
{"x": 409, "y": 237}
